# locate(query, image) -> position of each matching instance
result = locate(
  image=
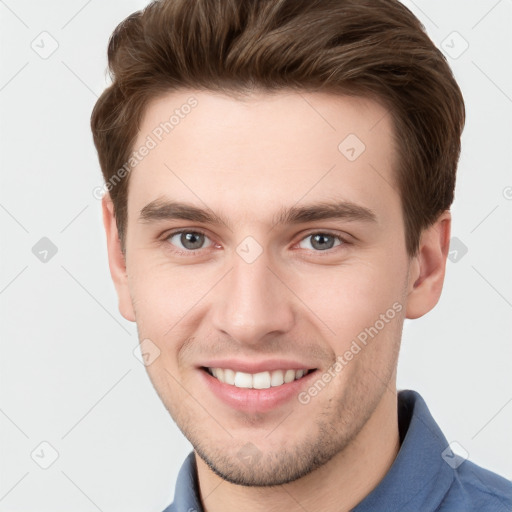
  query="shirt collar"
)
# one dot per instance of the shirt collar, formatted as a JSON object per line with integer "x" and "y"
{"x": 186, "y": 493}
{"x": 418, "y": 479}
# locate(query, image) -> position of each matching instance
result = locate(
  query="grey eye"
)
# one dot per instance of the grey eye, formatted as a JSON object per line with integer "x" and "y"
{"x": 321, "y": 241}
{"x": 188, "y": 240}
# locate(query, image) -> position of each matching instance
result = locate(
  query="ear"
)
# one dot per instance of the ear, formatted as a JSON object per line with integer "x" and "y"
{"x": 116, "y": 260}
{"x": 427, "y": 268}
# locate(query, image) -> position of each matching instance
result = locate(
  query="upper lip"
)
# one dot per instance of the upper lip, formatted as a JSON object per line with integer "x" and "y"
{"x": 258, "y": 366}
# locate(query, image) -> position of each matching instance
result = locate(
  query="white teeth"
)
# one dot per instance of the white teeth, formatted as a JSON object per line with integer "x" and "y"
{"x": 289, "y": 376}
{"x": 261, "y": 380}
{"x": 229, "y": 376}
{"x": 243, "y": 380}
{"x": 277, "y": 378}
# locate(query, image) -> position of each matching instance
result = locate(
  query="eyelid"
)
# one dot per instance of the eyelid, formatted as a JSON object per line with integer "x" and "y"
{"x": 342, "y": 237}
{"x": 169, "y": 234}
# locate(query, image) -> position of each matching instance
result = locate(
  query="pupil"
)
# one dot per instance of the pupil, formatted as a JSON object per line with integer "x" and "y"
{"x": 322, "y": 245}
{"x": 191, "y": 240}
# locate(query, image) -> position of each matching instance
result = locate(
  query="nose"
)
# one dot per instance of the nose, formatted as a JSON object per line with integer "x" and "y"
{"x": 252, "y": 302}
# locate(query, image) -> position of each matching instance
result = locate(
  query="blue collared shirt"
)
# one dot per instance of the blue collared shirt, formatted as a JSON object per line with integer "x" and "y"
{"x": 426, "y": 475}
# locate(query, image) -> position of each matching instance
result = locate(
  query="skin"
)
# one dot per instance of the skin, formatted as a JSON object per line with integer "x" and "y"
{"x": 245, "y": 159}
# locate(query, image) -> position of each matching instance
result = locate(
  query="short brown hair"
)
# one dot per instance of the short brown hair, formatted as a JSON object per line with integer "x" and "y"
{"x": 370, "y": 48}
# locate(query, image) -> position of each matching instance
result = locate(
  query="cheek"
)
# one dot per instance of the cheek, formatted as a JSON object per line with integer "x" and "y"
{"x": 162, "y": 293}
{"x": 344, "y": 301}
{"x": 169, "y": 304}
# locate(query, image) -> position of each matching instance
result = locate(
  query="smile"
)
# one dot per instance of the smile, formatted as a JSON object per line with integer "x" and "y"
{"x": 260, "y": 380}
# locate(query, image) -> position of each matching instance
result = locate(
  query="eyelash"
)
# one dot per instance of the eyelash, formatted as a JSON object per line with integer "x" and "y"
{"x": 167, "y": 236}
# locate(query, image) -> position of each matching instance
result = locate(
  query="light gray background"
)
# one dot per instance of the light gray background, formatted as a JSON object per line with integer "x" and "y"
{"x": 69, "y": 376}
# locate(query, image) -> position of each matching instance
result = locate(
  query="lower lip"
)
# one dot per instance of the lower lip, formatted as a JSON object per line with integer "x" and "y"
{"x": 255, "y": 400}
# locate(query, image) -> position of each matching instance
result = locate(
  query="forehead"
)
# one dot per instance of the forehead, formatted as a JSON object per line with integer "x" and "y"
{"x": 250, "y": 156}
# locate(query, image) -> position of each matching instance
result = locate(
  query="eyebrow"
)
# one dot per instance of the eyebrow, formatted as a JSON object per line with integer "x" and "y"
{"x": 164, "y": 209}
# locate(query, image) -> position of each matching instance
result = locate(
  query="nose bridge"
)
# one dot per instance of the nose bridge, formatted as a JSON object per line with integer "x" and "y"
{"x": 252, "y": 301}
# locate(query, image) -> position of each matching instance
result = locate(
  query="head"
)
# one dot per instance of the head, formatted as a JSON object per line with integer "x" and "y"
{"x": 291, "y": 203}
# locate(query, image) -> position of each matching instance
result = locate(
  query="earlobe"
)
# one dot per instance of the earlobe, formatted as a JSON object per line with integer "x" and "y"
{"x": 428, "y": 268}
{"x": 116, "y": 260}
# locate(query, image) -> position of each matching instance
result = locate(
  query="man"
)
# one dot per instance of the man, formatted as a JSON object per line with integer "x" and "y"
{"x": 279, "y": 175}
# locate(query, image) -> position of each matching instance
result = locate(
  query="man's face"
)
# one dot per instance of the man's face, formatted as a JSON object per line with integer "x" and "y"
{"x": 263, "y": 292}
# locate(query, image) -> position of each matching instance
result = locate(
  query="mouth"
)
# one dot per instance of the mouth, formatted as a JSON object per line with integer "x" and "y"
{"x": 259, "y": 380}
{"x": 255, "y": 386}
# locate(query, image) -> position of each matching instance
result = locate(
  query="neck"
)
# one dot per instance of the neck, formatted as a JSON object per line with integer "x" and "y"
{"x": 339, "y": 485}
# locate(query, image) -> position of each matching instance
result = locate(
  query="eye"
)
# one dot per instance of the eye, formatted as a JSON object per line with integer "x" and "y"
{"x": 188, "y": 240}
{"x": 321, "y": 241}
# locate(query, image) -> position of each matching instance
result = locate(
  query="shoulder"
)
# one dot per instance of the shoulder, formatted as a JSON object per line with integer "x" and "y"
{"x": 475, "y": 489}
